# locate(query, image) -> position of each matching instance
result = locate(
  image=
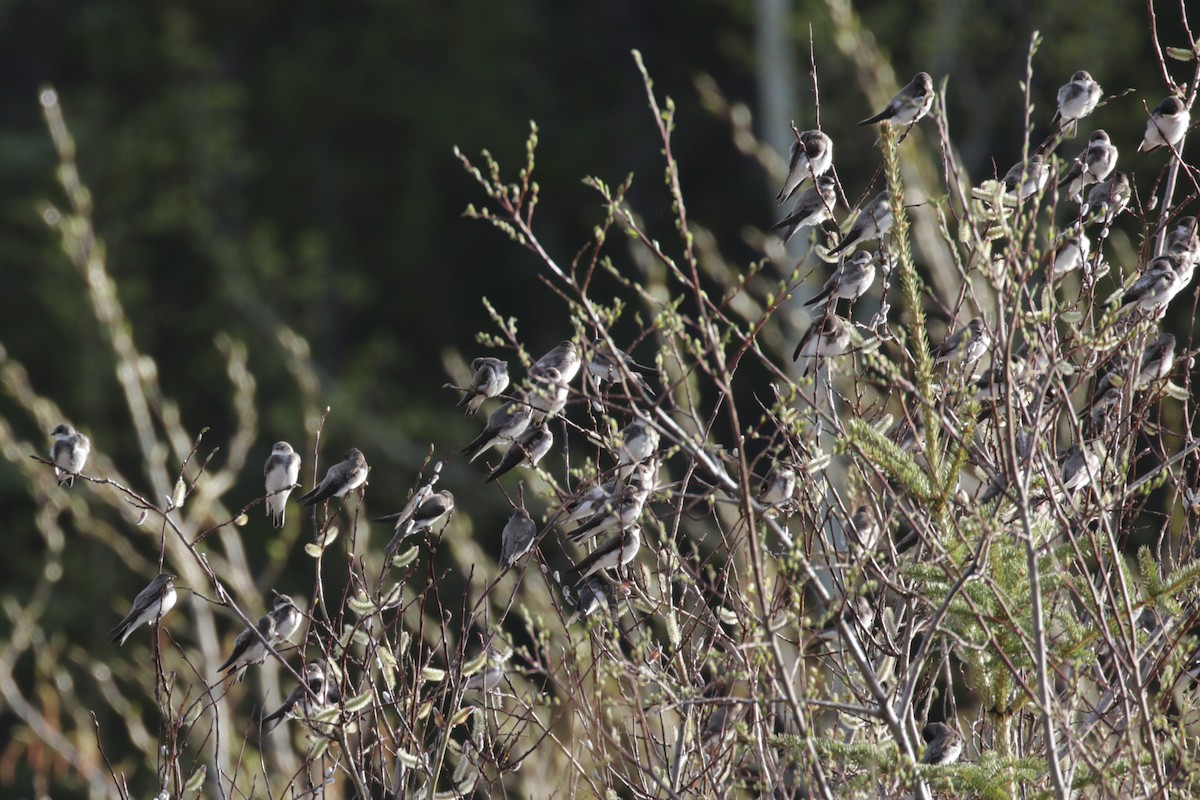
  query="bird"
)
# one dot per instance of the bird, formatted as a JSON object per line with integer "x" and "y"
{"x": 564, "y": 357}
{"x": 1027, "y": 178}
{"x": 69, "y": 453}
{"x": 909, "y": 105}
{"x": 605, "y": 366}
{"x": 636, "y": 442}
{"x": 872, "y": 222}
{"x": 491, "y": 677}
{"x": 811, "y": 156}
{"x": 640, "y": 481}
{"x": 547, "y": 395}
{"x": 813, "y": 207}
{"x": 1157, "y": 362}
{"x": 1094, "y": 164}
{"x": 1107, "y": 199}
{"x": 517, "y": 537}
{"x": 827, "y": 337}
{"x": 613, "y": 516}
{"x": 1072, "y": 254}
{"x": 531, "y": 446}
{"x": 866, "y": 529}
{"x": 1157, "y": 285}
{"x": 966, "y": 345}
{"x": 489, "y": 379}
{"x": 504, "y": 424}
{"x": 595, "y": 593}
{"x": 150, "y": 605}
{"x": 612, "y": 554}
{"x": 314, "y": 694}
{"x": 287, "y": 616}
{"x": 340, "y": 479}
{"x": 850, "y": 281}
{"x": 1167, "y": 124}
{"x": 945, "y": 744}
{"x": 1182, "y": 240}
{"x": 1078, "y": 465}
{"x": 1076, "y": 99}
{"x": 430, "y": 511}
{"x": 250, "y": 646}
{"x": 282, "y": 470}
{"x": 778, "y": 487}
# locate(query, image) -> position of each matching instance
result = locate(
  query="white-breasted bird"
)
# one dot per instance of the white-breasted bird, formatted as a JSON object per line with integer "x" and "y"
{"x": 1094, "y": 164}
{"x": 69, "y": 453}
{"x": 431, "y": 511}
{"x": 1167, "y": 124}
{"x": 778, "y": 486}
{"x": 827, "y": 337}
{"x": 564, "y": 357}
{"x": 813, "y": 207}
{"x": 873, "y": 221}
{"x": 945, "y": 744}
{"x": 850, "y": 280}
{"x": 504, "y": 424}
{"x": 150, "y": 605}
{"x": 340, "y": 479}
{"x": 1026, "y": 178}
{"x": 250, "y": 646}
{"x": 966, "y": 345}
{"x": 612, "y": 554}
{"x": 909, "y": 105}
{"x": 281, "y": 472}
{"x": 530, "y": 447}
{"x": 489, "y": 379}
{"x": 1076, "y": 99}
{"x": 810, "y": 156}
{"x": 517, "y": 537}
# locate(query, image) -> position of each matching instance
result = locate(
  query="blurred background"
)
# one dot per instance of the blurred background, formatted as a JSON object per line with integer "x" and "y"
{"x": 266, "y": 164}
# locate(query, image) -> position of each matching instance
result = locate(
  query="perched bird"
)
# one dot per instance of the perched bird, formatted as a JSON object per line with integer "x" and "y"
{"x": 595, "y": 593}
{"x": 966, "y": 345}
{"x": 250, "y": 646}
{"x": 531, "y": 446}
{"x": 779, "y": 485}
{"x": 1107, "y": 199}
{"x": 1078, "y": 465}
{"x": 636, "y": 442}
{"x": 1077, "y": 99}
{"x": 547, "y": 394}
{"x": 827, "y": 337}
{"x": 872, "y": 222}
{"x": 564, "y": 357}
{"x": 810, "y": 157}
{"x": 431, "y": 510}
{"x": 945, "y": 744}
{"x": 1182, "y": 241}
{"x": 909, "y": 105}
{"x": 1026, "y": 178}
{"x": 491, "y": 677}
{"x": 1157, "y": 286}
{"x": 69, "y": 453}
{"x": 1093, "y": 165}
{"x": 865, "y": 528}
{"x": 614, "y": 516}
{"x": 1104, "y": 413}
{"x": 1072, "y": 254}
{"x": 490, "y": 378}
{"x": 612, "y": 554}
{"x": 517, "y": 537}
{"x": 850, "y": 281}
{"x": 1158, "y": 359}
{"x": 813, "y": 207}
{"x": 605, "y": 366}
{"x": 341, "y": 479}
{"x": 150, "y": 605}
{"x": 1166, "y": 126}
{"x": 314, "y": 694}
{"x": 282, "y": 470}
{"x": 504, "y": 424}
{"x": 287, "y": 616}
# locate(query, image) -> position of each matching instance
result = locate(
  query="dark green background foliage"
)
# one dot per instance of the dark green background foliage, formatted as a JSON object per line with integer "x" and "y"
{"x": 258, "y": 163}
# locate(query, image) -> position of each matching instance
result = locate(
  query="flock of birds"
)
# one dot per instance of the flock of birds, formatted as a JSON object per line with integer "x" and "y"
{"x": 613, "y": 507}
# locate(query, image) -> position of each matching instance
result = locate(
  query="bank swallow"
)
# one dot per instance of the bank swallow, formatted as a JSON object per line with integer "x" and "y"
{"x": 530, "y": 447}
{"x": 150, "y": 605}
{"x": 1157, "y": 362}
{"x": 945, "y": 744}
{"x": 504, "y": 424}
{"x": 827, "y": 337}
{"x": 595, "y": 594}
{"x": 1157, "y": 285}
{"x": 872, "y": 222}
{"x": 813, "y": 207}
{"x": 1182, "y": 241}
{"x": 909, "y": 105}
{"x": 612, "y": 554}
{"x": 865, "y": 528}
{"x": 564, "y": 358}
{"x": 490, "y": 378}
{"x": 1104, "y": 413}
{"x": 1026, "y": 178}
{"x": 1107, "y": 199}
{"x": 431, "y": 510}
{"x": 340, "y": 479}
{"x": 69, "y": 453}
{"x": 810, "y": 157}
{"x": 1093, "y": 165}
{"x": 1072, "y": 254}
{"x": 1166, "y": 126}
{"x": 778, "y": 487}
{"x": 547, "y": 394}
{"x": 491, "y": 677}
{"x": 1078, "y": 465}
{"x": 314, "y": 694}
{"x": 966, "y": 345}
{"x": 1077, "y": 99}
{"x": 616, "y": 515}
{"x": 250, "y": 646}
{"x": 282, "y": 471}
{"x": 517, "y": 537}
{"x": 287, "y": 618}
{"x": 636, "y": 442}
{"x": 605, "y": 366}
{"x": 850, "y": 280}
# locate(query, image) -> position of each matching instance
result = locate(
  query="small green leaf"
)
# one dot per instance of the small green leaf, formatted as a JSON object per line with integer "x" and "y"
{"x": 359, "y": 702}
{"x": 407, "y": 557}
{"x": 197, "y": 780}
